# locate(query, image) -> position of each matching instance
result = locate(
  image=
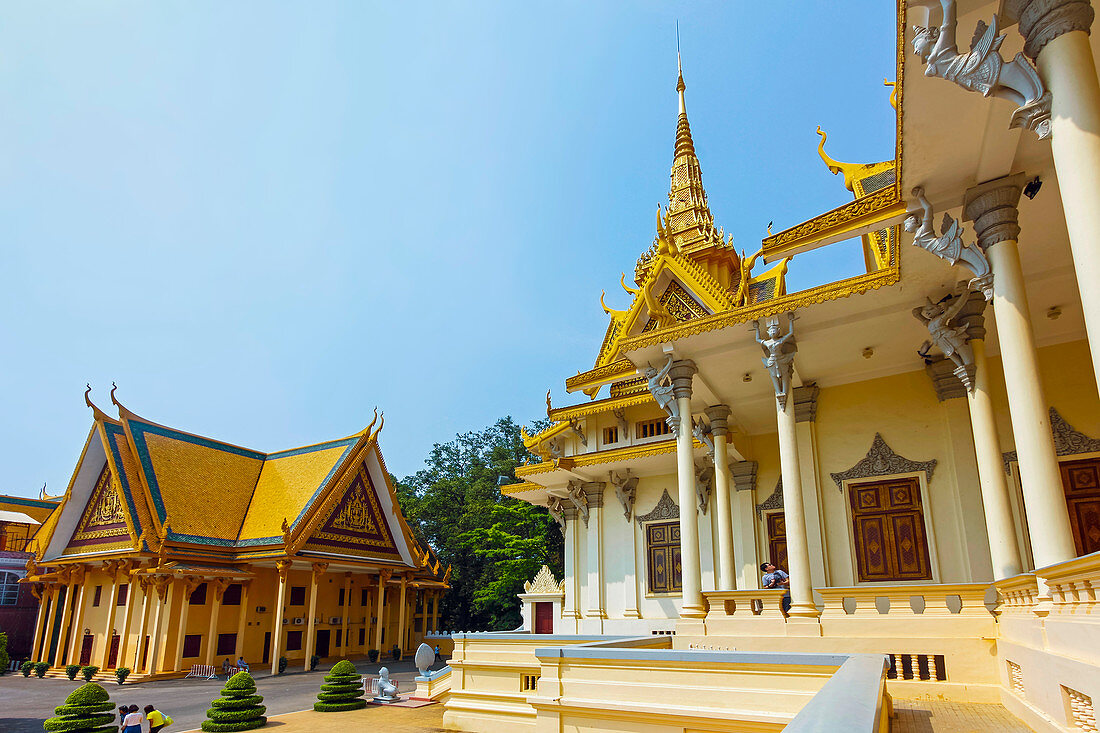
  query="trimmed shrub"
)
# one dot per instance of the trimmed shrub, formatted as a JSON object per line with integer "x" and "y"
{"x": 40, "y": 669}
{"x": 343, "y": 690}
{"x": 282, "y": 664}
{"x": 88, "y": 673}
{"x": 372, "y": 655}
{"x": 238, "y": 708}
{"x": 396, "y": 652}
{"x": 71, "y": 670}
{"x": 27, "y": 668}
{"x": 313, "y": 662}
{"x": 5, "y": 660}
{"x": 88, "y": 709}
{"x": 121, "y": 674}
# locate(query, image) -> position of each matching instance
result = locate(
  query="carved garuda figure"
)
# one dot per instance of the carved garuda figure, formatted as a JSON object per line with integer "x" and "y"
{"x": 949, "y": 245}
{"x": 950, "y": 337}
{"x": 779, "y": 353}
{"x": 663, "y": 393}
{"x": 983, "y": 70}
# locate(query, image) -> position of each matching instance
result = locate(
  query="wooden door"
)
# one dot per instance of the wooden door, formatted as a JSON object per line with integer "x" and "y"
{"x": 1081, "y": 482}
{"x": 322, "y": 643}
{"x": 544, "y": 617}
{"x": 267, "y": 648}
{"x": 888, "y": 526}
{"x": 86, "y": 650}
{"x": 112, "y": 659}
{"x": 777, "y": 540}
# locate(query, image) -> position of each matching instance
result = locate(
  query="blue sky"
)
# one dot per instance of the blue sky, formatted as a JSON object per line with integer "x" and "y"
{"x": 263, "y": 219}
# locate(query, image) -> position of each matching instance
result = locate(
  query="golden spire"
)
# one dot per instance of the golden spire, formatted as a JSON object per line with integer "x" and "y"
{"x": 690, "y": 220}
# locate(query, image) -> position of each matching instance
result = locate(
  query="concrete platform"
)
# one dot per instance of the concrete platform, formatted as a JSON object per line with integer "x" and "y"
{"x": 937, "y": 716}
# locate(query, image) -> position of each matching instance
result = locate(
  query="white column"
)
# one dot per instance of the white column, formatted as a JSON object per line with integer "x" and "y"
{"x": 1004, "y": 551}
{"x": 798, "y": 556}
{"x": 318, "y": 570}
{"x": 217, "y": 586}
{"x": 187, "y": 587}
{"x": 691, "y": 606}
{"x": 144, "y": 584}
{"x": 570, "y": 612}
{"x": 164, "y": 597}
{"x": 805, "y": 414}
{"x": 403, "y": 610}
{"x": 41, "y": 622}
{"x": 112, "y": 568}
{"x": 77, "y": 623}
{"x": 346, "y": 612}
{"x": 283, "y": 569}
{"x": 992, "y": 208}
{"x": 1056, "y": 34}
{"x": 241, "y": 621}
{"x": 593, "y": 491}
{"x": 718, "y": 415}
{"x": 383, "y": 578}
{"x": 127, "y": 616}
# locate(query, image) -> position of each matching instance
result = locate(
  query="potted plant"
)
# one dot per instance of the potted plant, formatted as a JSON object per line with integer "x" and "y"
{"x": 396, "y": 652}
{"x": 40, "y": 669}
{"x": 88, "y": 672}
{"x": 282, "y": 664}
{"x": 372, "y": 655}
{"x": 27, "y": 668}
{"x": 121, "y": 674}
{"x": 313, "y": 662}
{"x": 71, "y": 670}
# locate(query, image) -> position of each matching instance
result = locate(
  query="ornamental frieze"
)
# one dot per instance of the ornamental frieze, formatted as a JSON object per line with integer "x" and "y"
{"x": 881, "y": 460}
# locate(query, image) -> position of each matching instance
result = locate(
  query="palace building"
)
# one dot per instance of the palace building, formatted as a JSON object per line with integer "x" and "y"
{"x": 20, "y": 518}
{"x": 171, "y": 550}
{"x": 917, "y": 444}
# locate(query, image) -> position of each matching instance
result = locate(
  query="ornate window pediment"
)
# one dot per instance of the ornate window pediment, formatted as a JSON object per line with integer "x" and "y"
{"x": 1067, "y": 441}
{"x": 666, "y": 509}
{"x": 881, "y": 460}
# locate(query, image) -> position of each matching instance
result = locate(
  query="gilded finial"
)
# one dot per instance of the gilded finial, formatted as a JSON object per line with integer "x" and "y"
{"x": 893, "y": 92}
{"x": 286, "y": 532}
{"x": 549, "y": 407}
{"x": 381, "y": 424}
{"x": 87, "y": 392}
{"x": 97, "y": 413}
{"x": 366, "y": 430}
{"x": 769, "y": 234}
{"x": 631, "y": 291}
{"x": 835, "y": 166}
{"x": 114, "y": 388}
{"x": 610, "y": 311}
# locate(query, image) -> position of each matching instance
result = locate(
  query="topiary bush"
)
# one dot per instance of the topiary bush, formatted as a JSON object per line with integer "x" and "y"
{"x": 88, "y": 709}
{"x": 282, "y": 664}
{"x": 71, "y": 670}
{"x": 313, "y": 662}
{"x": 121, "y": 674}
{"x": 88, "y": 673}
{"x": 27, "y": 668}
{"x": 5, "y": 660}
{"x": 395, "y": 652}
{"x": 372, "y": 655}
{"x": 343, "y": 690}
{"x": 238, "y": 708}
{"x": 40, "y": 669}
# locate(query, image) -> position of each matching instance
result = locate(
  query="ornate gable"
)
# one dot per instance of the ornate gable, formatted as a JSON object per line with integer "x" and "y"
{"x": 102, "y": 526}
{"x": 356, "y": 525}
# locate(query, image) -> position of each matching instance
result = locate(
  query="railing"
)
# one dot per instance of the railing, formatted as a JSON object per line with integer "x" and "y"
{"x": 1019, "y": 594}
{"x": 906, "y": 600}
{"x": 1075, "y": 587}
{"x": 748, "y": 611}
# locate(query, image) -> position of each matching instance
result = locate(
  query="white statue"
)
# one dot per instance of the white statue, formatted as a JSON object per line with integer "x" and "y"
{"x": 663, "y": 394}
{"x": 949, "y": 337}
{"x": 579, "y": 500}
{"x": 554, "y": 505}
{"x": 701, "y": 431}
{"x": 625, "y": 488}
{"x": 387, "y": 690}
{"x": 983, "y": 70}
{"x": 778, "y": 354}
{"x": 949, "y": 245}
{"x": 704, "y": 483}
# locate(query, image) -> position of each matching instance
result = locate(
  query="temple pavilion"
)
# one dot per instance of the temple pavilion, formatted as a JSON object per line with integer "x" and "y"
{"x": 171, "y": 550}
{"x": 916, "y": 443}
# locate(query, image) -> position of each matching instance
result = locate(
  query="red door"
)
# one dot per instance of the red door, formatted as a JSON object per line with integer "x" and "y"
{"x": 112, "y": 661}
{"x": 544, "y": 617}
{"x": 1081, "y": 481}
{"x": 86, "y": 650}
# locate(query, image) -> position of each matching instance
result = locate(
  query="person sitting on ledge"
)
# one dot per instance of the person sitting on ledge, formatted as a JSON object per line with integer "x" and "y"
{"x": 242, "y": 665}
{"x": 776, "y": 578}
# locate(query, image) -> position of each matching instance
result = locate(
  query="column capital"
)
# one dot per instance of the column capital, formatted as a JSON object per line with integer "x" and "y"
{"x": 1041, "y": 21}
{"x": 681, "y": 374}
{"x": 593, "y": 492}
{"x": 942, "y": 372}
{"x": 744, "y": 475}
{"x": 718, "y": 416}
{"x": 992, "y": 208}
{"x": 805, "y": 402}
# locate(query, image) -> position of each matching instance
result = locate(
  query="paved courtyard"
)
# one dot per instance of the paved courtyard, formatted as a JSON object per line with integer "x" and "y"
{"x": 939, "y": 716}
{"x": 26, "y": 702}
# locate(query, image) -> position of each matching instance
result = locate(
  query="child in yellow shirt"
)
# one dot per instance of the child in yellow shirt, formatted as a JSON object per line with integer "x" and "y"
{"x": 156, "y": 718}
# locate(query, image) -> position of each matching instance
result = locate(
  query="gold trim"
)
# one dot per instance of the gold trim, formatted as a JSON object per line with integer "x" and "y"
{"x": 619, "y": 454}
{"x": 599, "y": 375}
{"x": 520, "y": 488}
{"x": 863, "y": 211}
{"x": 604, "y": 405}
{"x": 820, "y": 294}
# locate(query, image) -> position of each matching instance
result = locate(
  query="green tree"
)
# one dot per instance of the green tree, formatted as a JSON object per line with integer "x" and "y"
{"x": 493, "y": 543}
